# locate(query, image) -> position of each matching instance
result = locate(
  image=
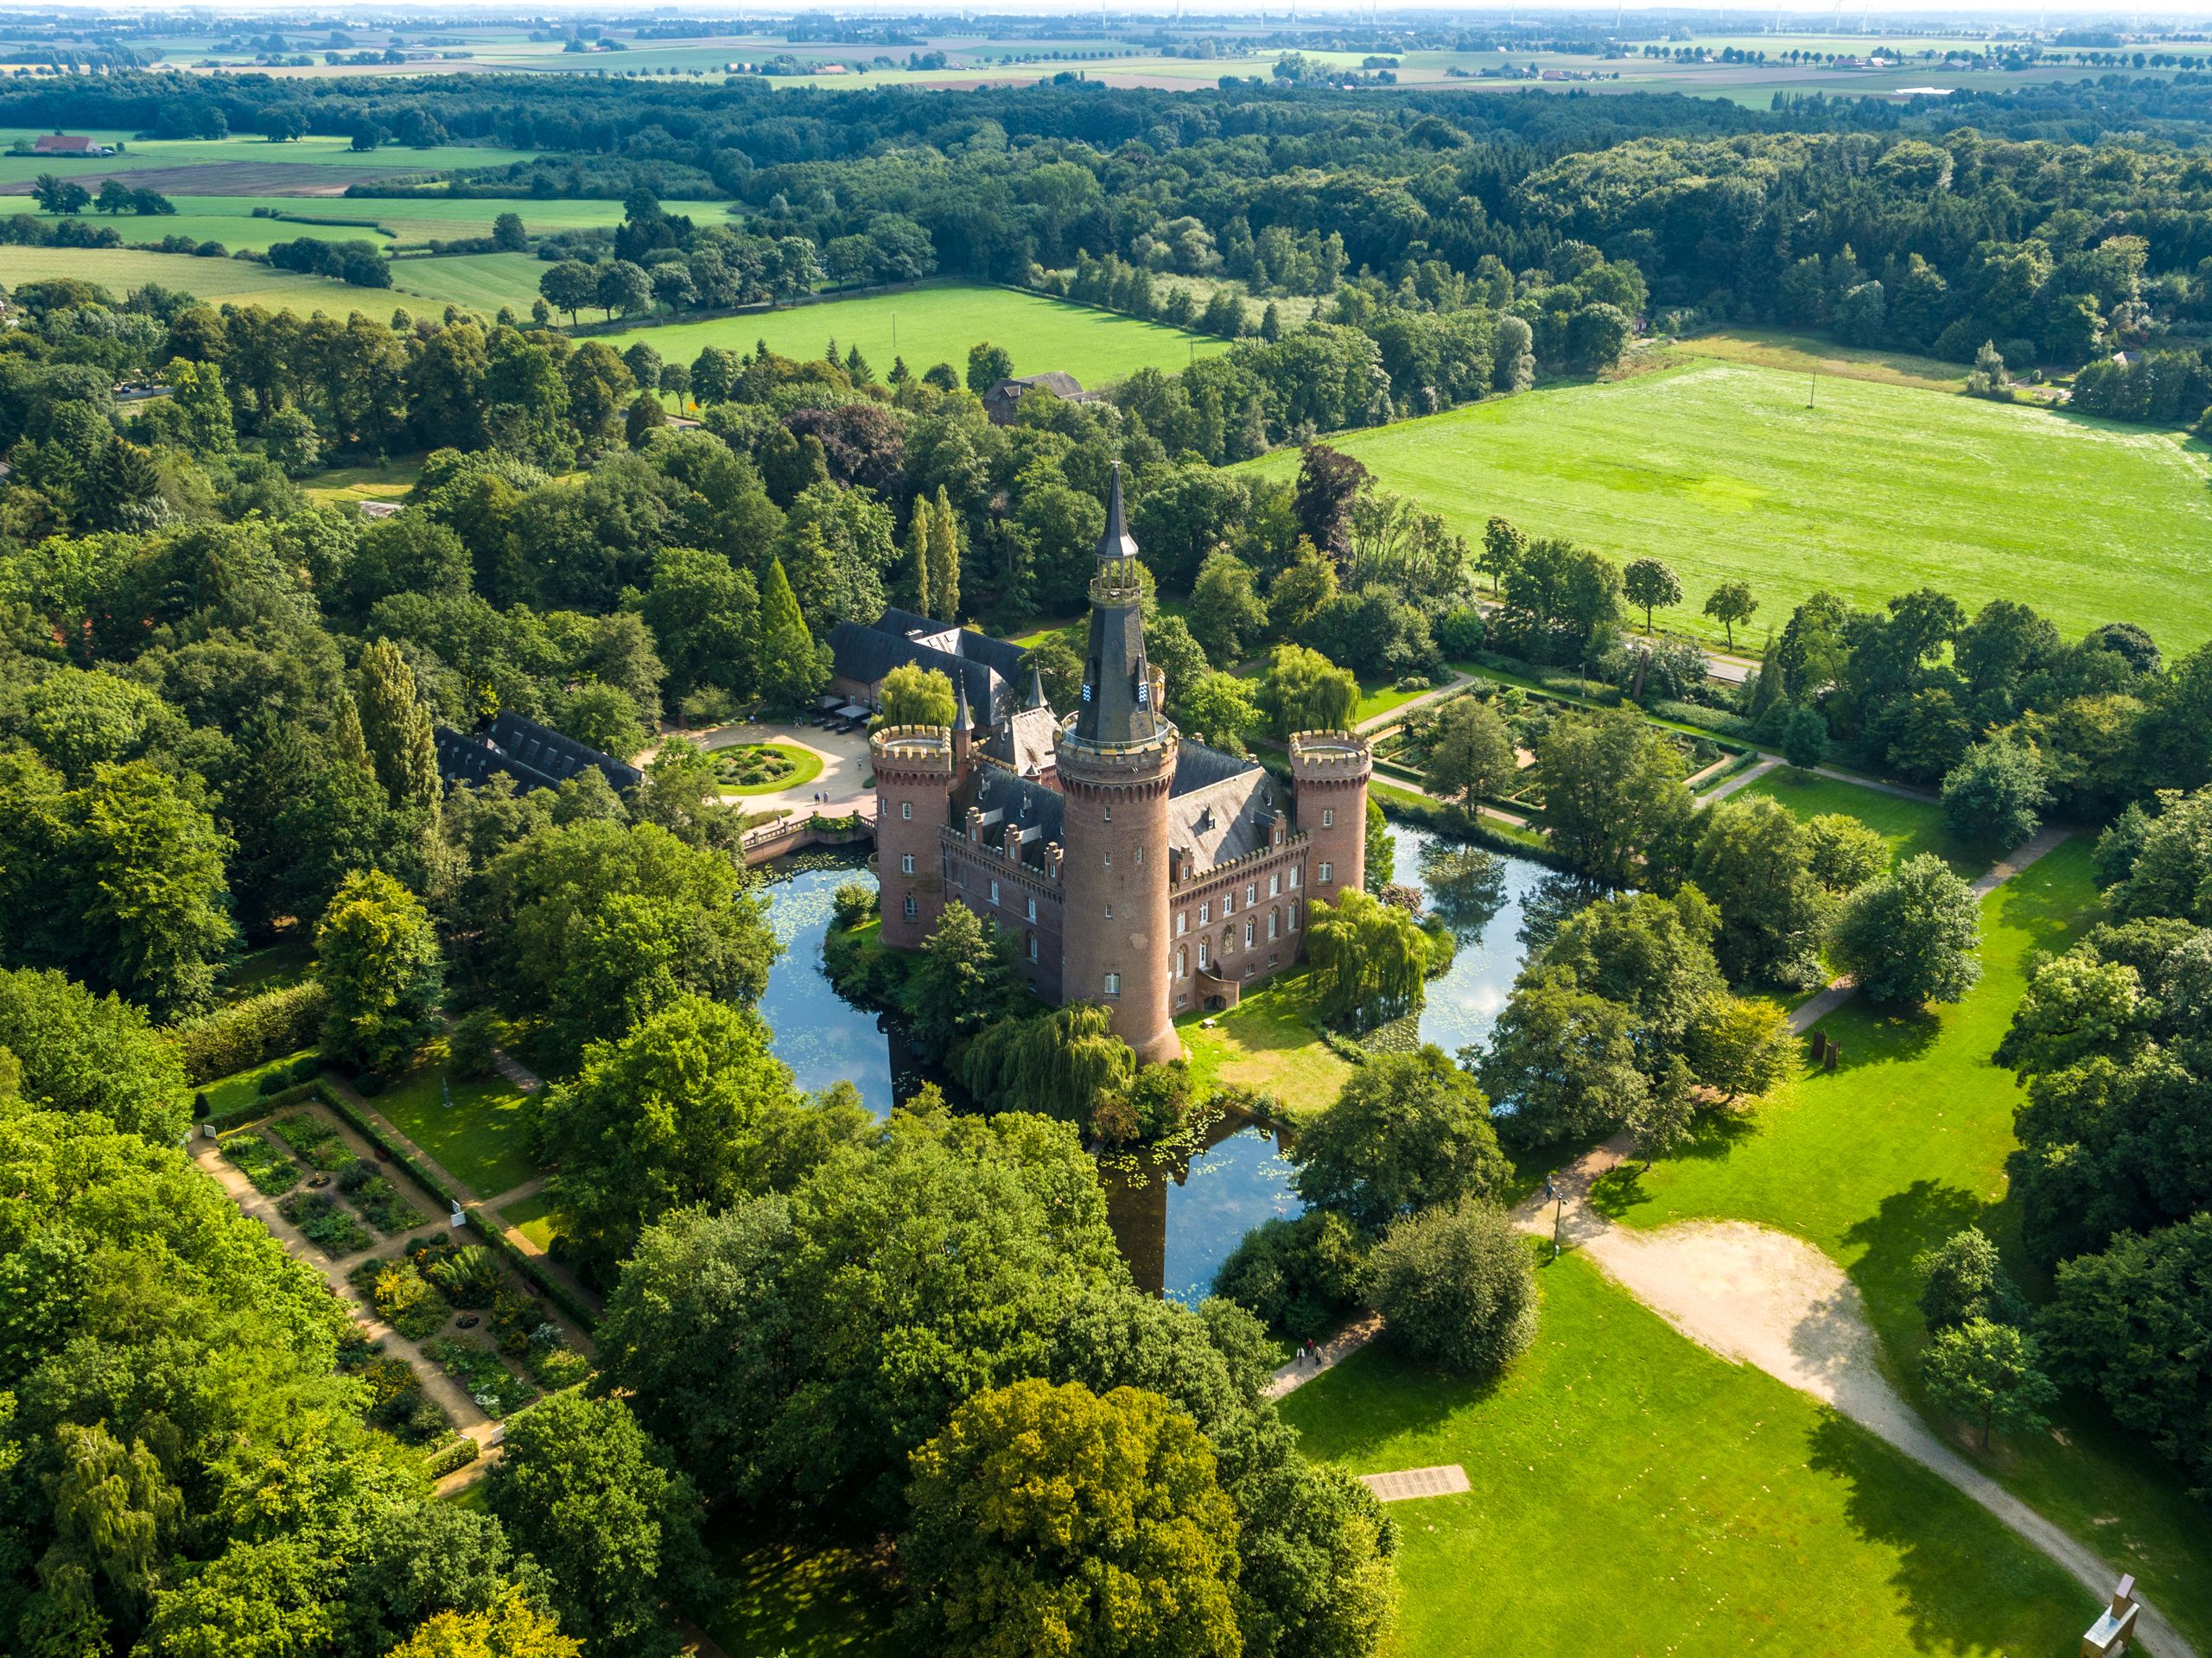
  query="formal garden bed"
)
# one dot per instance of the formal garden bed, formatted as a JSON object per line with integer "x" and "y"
{"x": 272, "y": 1171}
{"x": 398, "y": 1403}
{"x": 764, "y": 768}
{"x": 326, "y": 1223}
{"x": 497, "y": 1390}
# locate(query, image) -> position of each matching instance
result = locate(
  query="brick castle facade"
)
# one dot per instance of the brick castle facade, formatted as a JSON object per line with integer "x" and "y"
{"x": 1132, "y": 869}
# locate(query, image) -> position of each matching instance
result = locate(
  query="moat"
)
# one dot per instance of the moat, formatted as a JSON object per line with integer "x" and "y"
{"x": 1176, "y": 1220}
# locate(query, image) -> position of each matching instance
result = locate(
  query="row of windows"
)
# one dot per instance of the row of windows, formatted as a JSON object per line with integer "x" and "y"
{"x": 1229, "y": 898}
{"x": 1279, "y": 923}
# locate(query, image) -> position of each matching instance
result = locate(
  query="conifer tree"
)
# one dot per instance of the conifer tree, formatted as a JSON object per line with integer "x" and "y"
{"x": 396, "y": 728}
{"x": 945, "y": 559}
{"x": 919, "y": 590}
{"x": 793, "y": 670}
{"x": 353, "y": 747}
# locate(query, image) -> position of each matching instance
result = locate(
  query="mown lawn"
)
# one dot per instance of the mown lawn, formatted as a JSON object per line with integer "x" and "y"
{"x": 1911, "y": 827}
{"x": 1266, "y": 1042}
{"x": 1905, "y": 1144}
{"x": 1720, "y": 469}
{"x": 479, "y": 1138}
{"x": 938, "y": 325}
{"x": 243, "y": 1087}
{"x": 1634, "y": 1493}
{"x": 533, "y": 1217}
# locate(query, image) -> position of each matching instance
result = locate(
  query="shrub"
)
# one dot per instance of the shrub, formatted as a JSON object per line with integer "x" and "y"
{"x": 271, "y": 1171}
{"x": 470, "y": 1049}
{"x": 243, "y": 1034}
{"x": 1456, "y": 1286}
{"x": 853, "y": 903}
{"x": 332, "y": 1229}
{"x": 352, "y": 1177}
{"x": 456, "y": 1454}
{"x": 1300, "y": 1277}
{"x": 406, "y": 1302}
{"x": 469, "y": 1276}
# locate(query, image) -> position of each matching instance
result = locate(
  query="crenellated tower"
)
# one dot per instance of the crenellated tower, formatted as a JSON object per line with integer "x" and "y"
{"x": 1116, "y": 766}
{"x": 915, "y": 769}
{"x": 1329, "y": 771}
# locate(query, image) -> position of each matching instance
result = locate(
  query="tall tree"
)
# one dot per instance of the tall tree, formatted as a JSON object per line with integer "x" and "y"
{"x": 1471, "y": 753}
{"x": 396, "y": 726}
{"x": 1648, "y": 583}
{"x": 376, "y": 956}
{"x": 915, "y": 587}
{"x": 793, "y": 669}
{"x": 945, "y": 559}
{"x": 1407, "y": 1130}
{"x": 1730, "y": 603}
{"x": 1911, "y": 936}
{"x": 1052, "y": 1520}
{"x": 584, "y": 1490}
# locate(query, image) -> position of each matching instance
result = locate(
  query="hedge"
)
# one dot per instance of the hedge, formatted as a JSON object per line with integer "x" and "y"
{"x": 494, "y": 1237}
{"x": 249, "y": 1032}
{"x": 1717, "y": 721}
{"x": 265, "y": 1105}
{"x": 448, "y": 1458}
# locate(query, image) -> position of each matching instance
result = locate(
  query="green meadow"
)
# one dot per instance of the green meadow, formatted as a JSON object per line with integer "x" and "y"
{"x": 938, "y": 325}
{"x": 1633, "y": 1493}
{"x": 320, "y": 151}
{"x": 120, "y": 270}
{"x": 387, "y": 221}
{"x": 1721, "y": 469}
{"x": 1890, "y": 1155}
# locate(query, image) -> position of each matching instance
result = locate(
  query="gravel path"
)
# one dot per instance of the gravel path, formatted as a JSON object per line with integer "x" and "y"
{"x": 1764, "y": 1298}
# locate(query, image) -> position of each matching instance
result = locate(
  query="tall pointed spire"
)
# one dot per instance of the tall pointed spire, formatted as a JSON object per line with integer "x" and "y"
{"x": 1118, "y": 706}
{"x": 1116, "y": 543}
{"x": 961, "y": 722}
{"x": 1036, "y": 686}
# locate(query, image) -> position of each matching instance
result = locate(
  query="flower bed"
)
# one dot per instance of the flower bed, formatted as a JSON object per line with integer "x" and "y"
{"x": 326, "y": 1223}
{"x": 496, "y": 1389}
{"x": 272, "y": 1173}
{"x": 552, "y": 1362}
{"x": 402, "y": 1297}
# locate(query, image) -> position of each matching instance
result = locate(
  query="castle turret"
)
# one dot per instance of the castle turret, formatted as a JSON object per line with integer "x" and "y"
{"x": 1117, "y": 765}
{"x": 915, "y": 767}
{"x": 1329, "y": 771}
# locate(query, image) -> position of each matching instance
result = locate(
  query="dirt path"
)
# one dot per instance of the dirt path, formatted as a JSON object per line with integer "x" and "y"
{"x": 1339, "y": 1347}
{"x": 1752, "y": 774}
{"x": 1764, "y": 1298}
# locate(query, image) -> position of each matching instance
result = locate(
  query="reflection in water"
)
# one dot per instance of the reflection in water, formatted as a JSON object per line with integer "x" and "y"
{"x": 1486, "y": 899}
{"x": 820, "y": 1035}
{"x": 1177, "y": 1224}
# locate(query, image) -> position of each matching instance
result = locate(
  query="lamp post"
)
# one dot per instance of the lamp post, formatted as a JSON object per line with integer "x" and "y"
{"x": 1554, "y": 1195}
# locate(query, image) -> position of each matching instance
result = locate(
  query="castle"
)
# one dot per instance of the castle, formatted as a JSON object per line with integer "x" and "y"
{"x": 1132, "y": 869}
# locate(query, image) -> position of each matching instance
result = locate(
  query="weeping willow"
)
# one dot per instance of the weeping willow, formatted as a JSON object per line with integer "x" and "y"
{"x": 1369, "y": 959}
{"x": 1061, "y": 1065}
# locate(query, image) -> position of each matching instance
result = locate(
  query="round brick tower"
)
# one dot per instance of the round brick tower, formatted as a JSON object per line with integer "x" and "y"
{"x": 1117, "y": 759}
{"x": 1329, "y": 771}
{"x": 915, "y": 767}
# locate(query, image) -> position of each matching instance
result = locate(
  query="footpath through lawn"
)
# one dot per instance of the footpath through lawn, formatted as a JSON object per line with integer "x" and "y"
{"x": 1634, "y": 1493}
{"x": 1906, "y": 1144}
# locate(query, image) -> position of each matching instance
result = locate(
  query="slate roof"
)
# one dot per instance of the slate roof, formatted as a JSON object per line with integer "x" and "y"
{"x": 1002, "y": 798}
{"x": 1220, "y": 808}
{"x": 535, "y": 756}
{"x": 865, "y": 654}
{"x": 1025, "y": 740}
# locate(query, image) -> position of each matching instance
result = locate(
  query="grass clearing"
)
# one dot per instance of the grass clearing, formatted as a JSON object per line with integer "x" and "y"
{"x": 1911, "y": 827}
{"x": 1901, "y": 1146}
{"x": 1719, "y": 469}
{"x": 1802, "y": 355}
{"x": 478, "y": 281}
{"x": 1624, "y": 1475}
{"x": 938, "y": 325}
{"x": 219, "y": 281}
{"x": 533, "y": 1217}
{"x": 479, "y": 1139}
{"x": 792, "y": 1601}
{"x": 1266, "y": 1042}
{"x": 242, "y": 1088}
{"x": 350, "y": 486}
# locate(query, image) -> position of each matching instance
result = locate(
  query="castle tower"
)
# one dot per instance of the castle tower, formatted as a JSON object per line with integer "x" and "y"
{"x": 914, "y": 772}
{"x": 1328, "y": 777}
{"x": 1117, "y": 759}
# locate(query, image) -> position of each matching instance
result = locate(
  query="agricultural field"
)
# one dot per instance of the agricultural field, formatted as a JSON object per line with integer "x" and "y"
{"x": 1686, "y": 1504}
{"x": 1721, "y": 469}
{"x": 241, "y": 165}
{"x": 938, "y": 325}
{"x": 1890, "y": 1155}
{"x": 389, "y": 222}
{"x": 476, "y": 282}
{"x": 120, "y": 270}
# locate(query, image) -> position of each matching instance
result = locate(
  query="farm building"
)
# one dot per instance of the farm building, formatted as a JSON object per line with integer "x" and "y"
{"x": 62, "y": 143}
{"x": 1000, "y": 401}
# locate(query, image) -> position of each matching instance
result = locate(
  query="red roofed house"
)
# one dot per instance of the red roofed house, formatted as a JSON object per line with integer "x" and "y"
{"x": 61, "y": 144}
